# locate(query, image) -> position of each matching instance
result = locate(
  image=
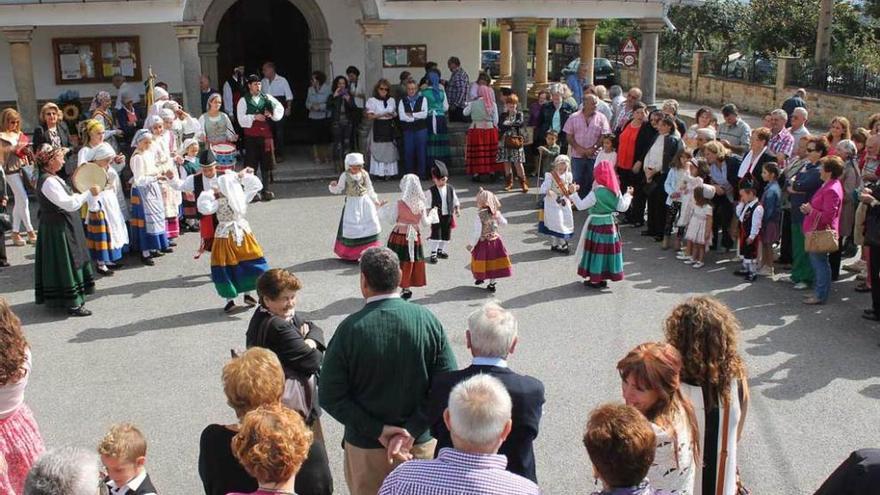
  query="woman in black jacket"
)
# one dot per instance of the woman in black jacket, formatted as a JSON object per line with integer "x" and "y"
{"x": 52, "y": 130}
{"x": 299, "y": 345}
{"x": 547, "y": 118}
{"x": 644, "y": 140}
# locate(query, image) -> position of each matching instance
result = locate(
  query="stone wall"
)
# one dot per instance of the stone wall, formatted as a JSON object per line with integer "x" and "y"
{"x": 756, "y": 98}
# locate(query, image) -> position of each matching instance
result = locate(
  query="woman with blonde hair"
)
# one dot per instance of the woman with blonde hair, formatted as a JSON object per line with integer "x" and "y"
{"x": 713, "y": 375}
{"x": 53, "y": 130}
{"x": 272, "y": 445}
{"x": 14, "y": 163}
{"x": 651, "y": 376}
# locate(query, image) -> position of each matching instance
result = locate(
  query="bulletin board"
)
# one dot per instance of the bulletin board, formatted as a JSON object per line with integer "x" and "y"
{"x": 96, "y": 60}
{"x": 404, "y": 55}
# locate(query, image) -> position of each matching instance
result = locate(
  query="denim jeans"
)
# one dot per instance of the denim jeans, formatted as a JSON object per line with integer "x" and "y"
{"x": 582, "y": 172}
{"x": 822, "y": 271}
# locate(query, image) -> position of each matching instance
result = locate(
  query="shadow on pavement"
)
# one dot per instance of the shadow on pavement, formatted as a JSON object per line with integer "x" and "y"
{"x": 178, "y": 321}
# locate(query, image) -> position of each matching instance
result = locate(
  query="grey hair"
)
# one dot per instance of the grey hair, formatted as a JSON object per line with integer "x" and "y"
{"x": 848, "y": 146}
{"x": 672, "y": 104}
{"x": 801, "y": 91}
{"x": 615, "y": 91}
{"x": 65, "y": 470}
{"x": 782, "y": 114}
{"x": 802, "y": 112}
{"x": 556, "y": 89}
{"x": 479, "y": 409}
{"x": 637, "y": 90}
{"x": 492, "y": 329}
{"x": 706, "y": 133}
{"x": 380, "y": 267}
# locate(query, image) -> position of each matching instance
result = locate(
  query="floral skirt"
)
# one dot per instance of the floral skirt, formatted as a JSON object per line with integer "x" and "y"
{"x": 20, "y": 445}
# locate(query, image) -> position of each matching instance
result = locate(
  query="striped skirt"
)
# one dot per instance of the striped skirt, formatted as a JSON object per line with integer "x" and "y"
{"x": 234, "y": 268}
{"x": 140, "y": 239}
{"x": 413, "y": 270}
{"x": 98, "y": 239}
{"x": 351, "y": 249}
{"x": 481, "y": 150}
{"x": 438, "y": 142}
{"x": 489, "y": 260}
{"x": 603, "y": 254}
{"x": 172, "y": 227}
{"x": 20, "y": 444}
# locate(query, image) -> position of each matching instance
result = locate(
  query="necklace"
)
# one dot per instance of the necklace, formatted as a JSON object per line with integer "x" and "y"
{"x": 276, "y": 490}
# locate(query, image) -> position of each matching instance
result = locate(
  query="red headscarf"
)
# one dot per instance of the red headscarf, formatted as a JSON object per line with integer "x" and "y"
{"x": 604, "y": 175}
{"x": 488, "y": 96}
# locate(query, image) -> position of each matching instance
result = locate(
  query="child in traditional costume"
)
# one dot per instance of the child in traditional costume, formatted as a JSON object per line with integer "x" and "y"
{"x": 599, "y": 251}
{"x": 489, "y": 258}
{"x": 190, "y": 166}
{"x": 195, "y": 184}
{"x": 148, "y": 234}
{"x": 236, "y": 257}
{"x": 750, "y": 214}
{"x": 558, "y": 220}
{"x": 359, "y": 226}
{"x": 161, "y": 147}
{"x": 409, "y": 214}
{"x": 443, "y": 197}
{"x": 63, "y": 272}
{"x": 438, "y": 105}
{"x": 106, "y": 232}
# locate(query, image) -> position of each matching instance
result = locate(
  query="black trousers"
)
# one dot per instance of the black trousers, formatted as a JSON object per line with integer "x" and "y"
{"x": 785, "y": 247}
{"x": 628, "y": 178}
{"x": 278, "y": 136}
{"x": 356, "y": 116}
{"x": 3, "y": 258}
{"x": 657, "y": 206}
{"x": 442, "y": 230}
{"x": 835, "y": 259}
{"x": 257, "y": 158}
{"x": 874, "y": 261}
{"x": 456, "y": 114}
{"x": 721, "y": 219}
{"x": 314, "y": 477}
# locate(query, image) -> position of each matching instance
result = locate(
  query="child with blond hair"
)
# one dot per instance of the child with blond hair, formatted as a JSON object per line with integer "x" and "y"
{"x": 123, "y": 452}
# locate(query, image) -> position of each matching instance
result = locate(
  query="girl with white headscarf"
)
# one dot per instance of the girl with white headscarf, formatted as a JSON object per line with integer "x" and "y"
{"x": 106, "y": 232}
{"x": 164, "y": 146}
{"x": 409, "y": 214}
{"x": 359, "y": 226}
{"x": 148, "y": 234}
{"x": 236, "y": 257}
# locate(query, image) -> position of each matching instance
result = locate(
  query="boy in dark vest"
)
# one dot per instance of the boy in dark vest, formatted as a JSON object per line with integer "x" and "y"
{"x": 206, "y": 179}
{"x": 254, "y": 112}
{"x": 750, "y": 213}
{"x": 443, "y": 197}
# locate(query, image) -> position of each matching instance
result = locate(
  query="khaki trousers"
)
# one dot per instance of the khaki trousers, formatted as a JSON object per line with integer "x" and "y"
{"x": 366, "y": 469}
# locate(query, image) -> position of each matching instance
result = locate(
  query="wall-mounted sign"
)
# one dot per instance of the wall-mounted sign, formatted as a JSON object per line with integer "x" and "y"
{"x": 94, "y": 60}
{"x": 630, "y": 51}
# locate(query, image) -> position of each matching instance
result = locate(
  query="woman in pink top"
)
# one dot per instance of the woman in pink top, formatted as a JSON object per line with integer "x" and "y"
{"x": 20, "y": 440}
{"x": 822, "y": 212}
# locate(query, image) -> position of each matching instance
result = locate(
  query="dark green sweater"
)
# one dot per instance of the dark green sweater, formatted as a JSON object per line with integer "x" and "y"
{"x": 378, "y": 369}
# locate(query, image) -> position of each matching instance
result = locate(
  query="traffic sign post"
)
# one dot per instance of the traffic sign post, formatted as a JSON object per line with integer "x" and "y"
{"x": 630, "y": 51}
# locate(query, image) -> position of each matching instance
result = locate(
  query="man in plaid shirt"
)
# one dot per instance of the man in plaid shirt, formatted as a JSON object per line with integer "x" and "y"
{"x": 457, "y": 90}
{"x": 781, "y": 142}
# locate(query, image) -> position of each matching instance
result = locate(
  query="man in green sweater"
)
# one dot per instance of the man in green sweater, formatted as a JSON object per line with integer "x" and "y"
{"x": 377, "y": 372}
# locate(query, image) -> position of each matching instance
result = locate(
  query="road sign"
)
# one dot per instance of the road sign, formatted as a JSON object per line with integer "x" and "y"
{"x": 630, "y": 51}
{"x": 629, "y": 60}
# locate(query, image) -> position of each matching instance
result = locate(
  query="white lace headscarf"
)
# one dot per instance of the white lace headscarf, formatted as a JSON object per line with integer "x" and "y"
{"x": 413, "y": 195}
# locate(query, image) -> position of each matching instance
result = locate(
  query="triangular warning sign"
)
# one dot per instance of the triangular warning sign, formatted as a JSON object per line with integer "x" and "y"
{"x": 629, "y": 47}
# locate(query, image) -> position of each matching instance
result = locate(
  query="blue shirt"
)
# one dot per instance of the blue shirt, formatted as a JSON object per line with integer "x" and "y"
{"x": 772, "y": 201}
{"x": 806, "y": 183}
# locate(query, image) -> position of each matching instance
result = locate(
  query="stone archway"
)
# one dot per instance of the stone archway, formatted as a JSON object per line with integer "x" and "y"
{"x": 210, "y": 13}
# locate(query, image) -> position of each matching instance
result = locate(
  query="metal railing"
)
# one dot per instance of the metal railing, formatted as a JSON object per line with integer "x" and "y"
{"x": 747, "y": 69}
{"x": 845, "y": 80}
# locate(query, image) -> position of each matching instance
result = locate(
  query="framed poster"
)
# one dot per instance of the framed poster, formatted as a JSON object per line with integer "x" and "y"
{"x": 95, "y": 60}
{"x": 404, "y": 55}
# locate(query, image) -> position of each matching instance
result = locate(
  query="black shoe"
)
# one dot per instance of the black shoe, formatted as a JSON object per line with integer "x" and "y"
{"x": 871, "y": 317}
{"x": 147, "y": 260}
{"x": 79, "y": 311}
{"x": 442, "y": 255}
{"x": 229, "y": 307}
{"x": 648, "y": 233}
{"x": 554, "y": 248}
{"x": 868, "y": 312}
{"x": 751, "y": 277}
{"x": 741, "y": 272}
{"x": 658, "y": 238}
{"x": 171, "y": 244}
{"x": 267, "y": 195}
{"x": 116, "y": 266}
{"x": 4, "y": 264}
{"x": 250, "y": 301}
{"x": 478, "y": 282}
{"x": 433, "y": 259}
{"x": 103, "y": 270}
{"x": 405, "y": 294}
{"x": 491, "y": 287}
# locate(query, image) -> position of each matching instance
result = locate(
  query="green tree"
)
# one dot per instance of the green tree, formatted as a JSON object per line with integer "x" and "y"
{"x": 715, "y": 26}
{"x": 782, "y": 27}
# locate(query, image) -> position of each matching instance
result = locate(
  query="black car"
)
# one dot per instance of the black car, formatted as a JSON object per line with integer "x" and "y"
{"x": 490, "y": 62}
{"x": 603, "y": 71}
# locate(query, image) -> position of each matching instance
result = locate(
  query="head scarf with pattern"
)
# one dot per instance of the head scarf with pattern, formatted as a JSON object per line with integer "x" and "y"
{"x": 46, "y": 153}
{"x": 603, "y": 175}
{"x": 413, "y": 195}
{"x": 488, "y": 199}
{"x": 486, "y": 93}
{"x": 101, "y": 97}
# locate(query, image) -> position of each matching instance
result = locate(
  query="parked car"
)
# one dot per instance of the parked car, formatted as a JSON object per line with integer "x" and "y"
{"x": 755, "y": 68}
{"x": 604, "y": 72}
{"x": 490, "y": 62}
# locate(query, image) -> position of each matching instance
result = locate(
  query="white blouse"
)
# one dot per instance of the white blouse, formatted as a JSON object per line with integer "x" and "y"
{"x": 53, "y": 189}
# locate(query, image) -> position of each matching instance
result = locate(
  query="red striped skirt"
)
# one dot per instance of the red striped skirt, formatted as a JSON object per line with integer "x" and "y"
{"x": 481, "y": 151}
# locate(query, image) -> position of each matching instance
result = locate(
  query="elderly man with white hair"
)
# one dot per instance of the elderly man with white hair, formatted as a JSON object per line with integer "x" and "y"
{"x": 67, "y": 471}
{"x": 491, "y": 337}
{"x": 798, "y": 129}
{"x": 479, "y": 421}
{"x": 781, "y": 144}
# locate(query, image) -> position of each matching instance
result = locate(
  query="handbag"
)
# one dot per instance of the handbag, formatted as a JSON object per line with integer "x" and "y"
{"x": 821, "y": 241}
{"x": 513, "y": 141}
{"x": 300, "y": 391}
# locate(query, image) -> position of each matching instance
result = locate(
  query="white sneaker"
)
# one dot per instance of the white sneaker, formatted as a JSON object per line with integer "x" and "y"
{"x": 689, "y": 261}
{"x": 682, "y": 256}
{"x": 699, "y": 264}
{"x": 801, "y": 286}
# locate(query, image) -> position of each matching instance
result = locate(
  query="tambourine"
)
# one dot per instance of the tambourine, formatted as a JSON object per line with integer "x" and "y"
{"x": 88, "y": 175}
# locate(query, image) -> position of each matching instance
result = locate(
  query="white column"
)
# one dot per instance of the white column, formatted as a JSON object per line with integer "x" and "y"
{"x": 588, "y": 45}
{"x": 650, "y": 29}
{"x": 208, "y": 56}
{"x": 19, "y": 38}
{"x": 505, "y": 49}
{"x": 542, "y": 47}
{"x": 190, "y": 64}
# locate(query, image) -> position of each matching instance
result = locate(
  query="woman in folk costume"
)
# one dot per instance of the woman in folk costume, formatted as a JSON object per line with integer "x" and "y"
{"x": 106, "y": 232}
{"x": 101, "y": 111}
{"x": 558, "y": 221}
{"x": 438, "y": 132}
{"x": 409, "y": 215}
{"x": 189, "y": 166}
{"x": 489, "y": 258}
{"x": 63, "y": 272}
{"x": 482, "y": 136}
{"x": 599, "y": 251}
{"x": 236, "y": 257}
{"x": 382, "y": 109}
{"x": 148, "y": 234}
{"x": 160, "y": 97}
{"x": 359, "y": 226}
{"x": 163, "y": 146}
{"x": 195, "y": 184}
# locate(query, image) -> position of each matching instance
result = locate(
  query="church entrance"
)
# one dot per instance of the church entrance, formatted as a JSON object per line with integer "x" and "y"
{"x": 252, "y": 32}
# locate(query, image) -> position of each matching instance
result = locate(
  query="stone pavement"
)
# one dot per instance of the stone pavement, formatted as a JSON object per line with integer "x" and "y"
{"x": 153, "y": 351}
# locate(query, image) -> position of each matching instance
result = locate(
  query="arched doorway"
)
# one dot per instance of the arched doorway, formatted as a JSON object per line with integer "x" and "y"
{"x": 252, "y": 32}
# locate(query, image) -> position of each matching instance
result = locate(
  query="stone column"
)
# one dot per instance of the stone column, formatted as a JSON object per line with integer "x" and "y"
{"x": 19, "y": 39}
{"x": 696, "y": 66}
{"x": 373, "y": 29}
{"x": 208, "y": 56}
{"x": 320, "y": 55}
{"x": 190, "y": 64}
{"x": 520, "y": 73}
{"x": 823, "y": 33}
{"x": 588, "y": 44}
{"x": 650, "y": 29}
{"x": 542, "y": 47}
{"x": 506, "y": 51}
{"x": 784, "y": 66}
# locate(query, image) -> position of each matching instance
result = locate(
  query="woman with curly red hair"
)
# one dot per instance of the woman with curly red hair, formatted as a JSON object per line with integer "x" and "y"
{"x": 272, "y": 445}
{"x": 704, "y": 331}
{"x": 651, "y": 383}
{"x": 20, "y": 440}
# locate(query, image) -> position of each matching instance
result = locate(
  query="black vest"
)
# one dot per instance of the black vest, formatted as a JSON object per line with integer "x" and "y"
{"x": 52, "y": 214}
{"x": 436, "y": 200}
{"x": 418, "y": 124}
